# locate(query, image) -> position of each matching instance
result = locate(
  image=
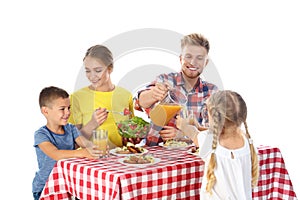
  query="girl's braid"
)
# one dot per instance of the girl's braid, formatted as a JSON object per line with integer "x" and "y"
{"x": 254, "y": 159}
{"x": 216, "y": 130}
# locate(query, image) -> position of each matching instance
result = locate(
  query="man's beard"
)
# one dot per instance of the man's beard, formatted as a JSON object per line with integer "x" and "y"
{"x": 191, "y": 76}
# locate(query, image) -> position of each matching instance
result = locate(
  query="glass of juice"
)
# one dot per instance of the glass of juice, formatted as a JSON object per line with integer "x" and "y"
{"x": 99, "y": 139}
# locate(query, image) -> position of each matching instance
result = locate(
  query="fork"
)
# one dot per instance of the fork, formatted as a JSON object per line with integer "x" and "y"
{"x": 116, "y": 112}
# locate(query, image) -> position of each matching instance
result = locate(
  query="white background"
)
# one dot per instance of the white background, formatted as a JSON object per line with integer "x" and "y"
{"x": 254, "y": 45}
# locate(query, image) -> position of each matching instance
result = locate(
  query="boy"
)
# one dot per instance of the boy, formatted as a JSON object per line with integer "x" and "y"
{"x": 57, "y": 139}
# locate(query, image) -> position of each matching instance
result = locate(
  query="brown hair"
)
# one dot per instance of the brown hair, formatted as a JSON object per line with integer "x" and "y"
{"x": 195, "y": 39}
{"x": 228, "y": 106}
{"x": 102, "y": 53}
{"x": 49, "y": 94}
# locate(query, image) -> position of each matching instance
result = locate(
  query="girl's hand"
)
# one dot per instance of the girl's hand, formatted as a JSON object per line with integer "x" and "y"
{"x": 182, "y": 123}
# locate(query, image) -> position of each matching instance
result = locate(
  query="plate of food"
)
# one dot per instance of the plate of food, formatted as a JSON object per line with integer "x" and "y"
{"x": 194, "y": 151}
{"x": 139, "y": 160}
{"x": 130, "y": 149}
{"x": 175, "y": 144}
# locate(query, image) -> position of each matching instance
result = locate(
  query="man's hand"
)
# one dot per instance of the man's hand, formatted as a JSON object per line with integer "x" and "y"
{"x": 168, "y": 133}
{"x": 152, "y": 95}
{"x": 159, "y": 91}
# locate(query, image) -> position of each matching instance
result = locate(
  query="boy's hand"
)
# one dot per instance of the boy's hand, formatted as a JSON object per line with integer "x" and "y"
{"x": 92, "y": 152}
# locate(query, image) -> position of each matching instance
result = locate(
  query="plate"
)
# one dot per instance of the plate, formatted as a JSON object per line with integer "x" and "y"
{"x": 113, "y": 152}
{"x": 156, "y": 160}
{"x": 175, "y": 147}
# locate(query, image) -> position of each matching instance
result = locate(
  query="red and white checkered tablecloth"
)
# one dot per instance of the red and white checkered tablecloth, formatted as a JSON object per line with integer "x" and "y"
{"x": 177, "y": 176}
{"x": 274, "y": 181}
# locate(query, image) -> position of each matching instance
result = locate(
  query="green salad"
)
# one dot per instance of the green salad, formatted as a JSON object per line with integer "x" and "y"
{"x": 136, "y": 127}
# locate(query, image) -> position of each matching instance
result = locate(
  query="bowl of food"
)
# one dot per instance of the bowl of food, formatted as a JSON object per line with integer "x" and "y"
{"x": 133, "y": 130}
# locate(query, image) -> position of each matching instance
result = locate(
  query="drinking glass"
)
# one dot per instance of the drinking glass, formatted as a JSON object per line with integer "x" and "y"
{"x": 192, "y": 120}
{"x": 188, "y": 114}
{"x": 99, "y": 139}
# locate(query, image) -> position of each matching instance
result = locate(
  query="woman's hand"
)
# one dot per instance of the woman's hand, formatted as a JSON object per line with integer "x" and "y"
{"x": 99, "y": 116}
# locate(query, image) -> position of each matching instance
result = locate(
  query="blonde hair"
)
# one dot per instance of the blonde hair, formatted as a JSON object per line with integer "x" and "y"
{"x": 195, "y": 39}
{"x": 228, "y": 106}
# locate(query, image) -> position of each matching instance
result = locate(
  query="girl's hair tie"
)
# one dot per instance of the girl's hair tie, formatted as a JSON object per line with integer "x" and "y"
{"x": 250, "y": 141}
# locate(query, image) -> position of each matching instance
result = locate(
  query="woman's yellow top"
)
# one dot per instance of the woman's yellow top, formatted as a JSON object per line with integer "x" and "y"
{"x": 85, "y": 101}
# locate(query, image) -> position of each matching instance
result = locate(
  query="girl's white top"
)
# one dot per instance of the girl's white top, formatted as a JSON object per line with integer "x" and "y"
{"x": 233, "y": 175}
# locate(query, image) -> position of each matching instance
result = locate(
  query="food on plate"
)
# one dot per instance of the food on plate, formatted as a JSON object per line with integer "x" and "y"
{"x": 175, "y": 143}
{"x": 129, "y": 149}
{"x": 141, "y": 159}
{"x": 195, "y": 150}
{"x": 134, "y": 149}
{"x": 185, "y": 139}
{"x": 121, "y": 151}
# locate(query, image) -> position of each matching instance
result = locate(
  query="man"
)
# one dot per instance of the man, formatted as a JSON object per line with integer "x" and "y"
{"x": 193, "y": 59}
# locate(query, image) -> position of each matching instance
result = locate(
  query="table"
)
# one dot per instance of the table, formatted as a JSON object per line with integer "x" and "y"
{"x": 274, "y": 181}
{"x": 177, "y": 176}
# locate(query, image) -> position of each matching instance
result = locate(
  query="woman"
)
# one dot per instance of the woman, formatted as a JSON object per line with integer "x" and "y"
{"x": 92, "y": 106}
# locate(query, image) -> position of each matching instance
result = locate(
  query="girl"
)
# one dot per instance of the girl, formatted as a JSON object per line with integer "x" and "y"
{"x": 231, "y": 162}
